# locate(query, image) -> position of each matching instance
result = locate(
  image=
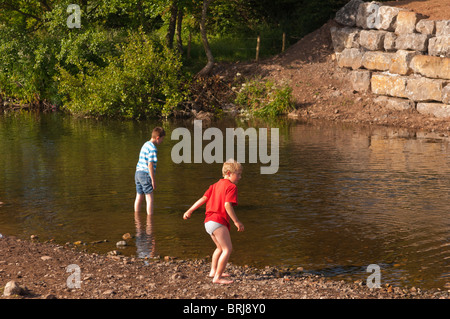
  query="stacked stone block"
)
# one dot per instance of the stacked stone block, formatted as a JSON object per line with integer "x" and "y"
{"x": 397, "y": 54}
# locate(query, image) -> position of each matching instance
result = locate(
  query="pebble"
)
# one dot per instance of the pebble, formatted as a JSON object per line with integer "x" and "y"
{"x": 121, "y": 243}
{"x": 12, "y": 288}
{"x": 114, "y": 253}
{"x": 126, "y": 236}
{"x": 99, "y": 241}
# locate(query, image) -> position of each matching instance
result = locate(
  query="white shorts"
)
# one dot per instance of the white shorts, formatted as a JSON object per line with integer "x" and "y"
{"x": 211, "y": 226}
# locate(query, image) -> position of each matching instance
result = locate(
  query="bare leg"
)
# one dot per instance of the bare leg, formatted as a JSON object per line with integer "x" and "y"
{"x": 215, "y": 260}
{"x": 222, "y": 239}
{"x": 149, "y": 202}
{"x": 138, "y": 202}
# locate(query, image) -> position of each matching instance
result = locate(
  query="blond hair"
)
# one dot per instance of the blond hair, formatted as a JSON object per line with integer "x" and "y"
{"x": 231, "y": 166}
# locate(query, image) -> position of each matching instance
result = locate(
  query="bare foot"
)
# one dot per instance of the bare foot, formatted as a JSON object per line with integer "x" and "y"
{"x": 222, "y": 281}
{"x": 223, "y": 275}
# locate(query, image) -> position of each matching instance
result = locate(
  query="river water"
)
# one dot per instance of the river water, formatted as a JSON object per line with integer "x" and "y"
{"x": 344, "y": 196}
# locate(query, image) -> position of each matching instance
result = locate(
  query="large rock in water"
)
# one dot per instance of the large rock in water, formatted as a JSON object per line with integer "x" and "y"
{"x": 347, "y": 14}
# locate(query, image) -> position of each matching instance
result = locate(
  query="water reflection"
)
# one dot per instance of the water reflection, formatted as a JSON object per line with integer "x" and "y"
{"x": 145, "y": 239}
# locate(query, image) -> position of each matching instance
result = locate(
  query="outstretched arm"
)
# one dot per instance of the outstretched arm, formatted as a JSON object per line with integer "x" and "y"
{"x": 194, "y": 207}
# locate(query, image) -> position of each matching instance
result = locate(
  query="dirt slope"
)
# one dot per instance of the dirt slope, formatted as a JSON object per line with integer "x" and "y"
{"x": 320, "y": 88}
{"x": 433, "y": 9}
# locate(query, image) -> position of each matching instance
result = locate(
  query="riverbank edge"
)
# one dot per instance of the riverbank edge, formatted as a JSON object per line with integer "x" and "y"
{"x": 44, "y": 270}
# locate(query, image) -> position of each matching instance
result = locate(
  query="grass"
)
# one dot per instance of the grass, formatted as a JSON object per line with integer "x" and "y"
{"x": 231, "y": 49}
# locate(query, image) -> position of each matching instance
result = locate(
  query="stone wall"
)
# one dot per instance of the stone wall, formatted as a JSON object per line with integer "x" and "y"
{"x": 397, "y": 54}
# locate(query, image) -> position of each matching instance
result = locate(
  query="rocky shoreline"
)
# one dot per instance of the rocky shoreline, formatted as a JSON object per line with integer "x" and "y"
{"x": 49, "y": 271}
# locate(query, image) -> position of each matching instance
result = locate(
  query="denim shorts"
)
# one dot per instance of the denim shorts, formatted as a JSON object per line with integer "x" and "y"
{"x": 143, "y": 182}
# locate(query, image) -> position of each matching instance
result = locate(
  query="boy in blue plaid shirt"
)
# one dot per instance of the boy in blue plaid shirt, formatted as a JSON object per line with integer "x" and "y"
{"x": 145, "y": 171}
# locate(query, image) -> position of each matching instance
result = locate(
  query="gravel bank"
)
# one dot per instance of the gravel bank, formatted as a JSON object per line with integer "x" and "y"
{"x": 43, "y": 271}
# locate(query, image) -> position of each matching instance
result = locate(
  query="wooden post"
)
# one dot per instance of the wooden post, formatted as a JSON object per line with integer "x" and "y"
{"x": 284, "y": 42}
{"x": 258, "y": 44}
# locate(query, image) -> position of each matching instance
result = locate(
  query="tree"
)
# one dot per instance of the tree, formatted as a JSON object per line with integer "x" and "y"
{"x": 172, "y": 23}
{"x": 25, "y": 15}
{"x": 176, "y": 11}
{"x": 210, "y": 58}
{"x": 178, "y": 30}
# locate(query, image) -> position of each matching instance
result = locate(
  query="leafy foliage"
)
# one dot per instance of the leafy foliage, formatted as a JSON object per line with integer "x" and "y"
{"x": 265, "y": 98}
{"x": 26, "y": 67}
{"x": 143, "y": 80}
{"x": 116, "y": 64}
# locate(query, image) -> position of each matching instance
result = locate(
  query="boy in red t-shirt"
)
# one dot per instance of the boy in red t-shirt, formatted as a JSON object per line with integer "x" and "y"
{"x": 220, "y": 199}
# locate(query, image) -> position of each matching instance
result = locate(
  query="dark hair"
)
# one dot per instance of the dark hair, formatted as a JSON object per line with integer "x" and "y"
{"x": 158, "y": 131}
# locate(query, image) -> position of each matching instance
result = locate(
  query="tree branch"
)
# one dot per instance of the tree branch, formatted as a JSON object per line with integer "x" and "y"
{"x": 45, "y": 5}
{"x": 11, "y": 7}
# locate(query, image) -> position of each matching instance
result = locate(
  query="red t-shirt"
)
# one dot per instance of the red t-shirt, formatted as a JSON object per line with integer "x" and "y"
{"x": 218, "y": 194}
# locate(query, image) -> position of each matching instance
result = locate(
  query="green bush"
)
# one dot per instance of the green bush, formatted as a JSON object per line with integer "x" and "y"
{"x": 143, "y": 80}
{"x": 264, "y": 98}
{"x": 26, "y": 67}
